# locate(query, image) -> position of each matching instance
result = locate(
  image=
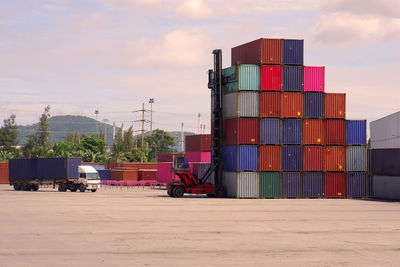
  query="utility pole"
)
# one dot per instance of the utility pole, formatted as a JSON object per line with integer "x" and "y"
{"x": 105, "y": 130}
{"x": 96, "y": 112}
{"x": 151, "y": 101}
{"x": 141, "y": 152}
{"x": 198, "y": 123}
{"x": 182, "y": 139}
{"x": 113, "y": 132}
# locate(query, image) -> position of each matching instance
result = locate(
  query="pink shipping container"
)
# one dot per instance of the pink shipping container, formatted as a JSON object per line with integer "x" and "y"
{"x": 271, "y": 78}
{"x": 164, "y": 173}
{"x": 314, "y": 79}
{"x": 199, "y": 156}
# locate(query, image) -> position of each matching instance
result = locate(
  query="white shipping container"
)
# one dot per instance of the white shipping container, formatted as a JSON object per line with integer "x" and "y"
{"x": 248, "y": 185}
{"x": 241, "y": 104}
{"x": 385, "y": 132}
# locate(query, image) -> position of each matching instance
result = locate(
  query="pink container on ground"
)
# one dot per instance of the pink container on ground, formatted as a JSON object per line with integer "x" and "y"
{"x": 199, "y": 156}
{"x": 164, "y": 173}
{"x": 314, "y": 79}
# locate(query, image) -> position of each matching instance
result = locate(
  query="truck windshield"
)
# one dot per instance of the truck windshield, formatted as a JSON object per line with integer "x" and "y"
{"x": 92, "y": 176}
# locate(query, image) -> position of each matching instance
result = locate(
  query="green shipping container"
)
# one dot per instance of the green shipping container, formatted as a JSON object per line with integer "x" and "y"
{"x": 247, "y": 78}
{"x": 270, "y": 185}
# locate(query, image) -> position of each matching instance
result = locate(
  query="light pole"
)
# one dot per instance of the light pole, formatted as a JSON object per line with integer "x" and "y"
{"x": 151, "y": 101}
{"x": 96, "y": 112}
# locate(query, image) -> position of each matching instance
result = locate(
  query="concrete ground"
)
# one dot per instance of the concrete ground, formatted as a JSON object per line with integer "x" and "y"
{"x": 138, "y": 227}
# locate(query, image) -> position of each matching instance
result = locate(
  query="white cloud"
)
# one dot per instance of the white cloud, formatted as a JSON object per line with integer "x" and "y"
{"x": 195, "y": 9}
{"x": 385, "y": 8}
{"x": 56, "y": 4}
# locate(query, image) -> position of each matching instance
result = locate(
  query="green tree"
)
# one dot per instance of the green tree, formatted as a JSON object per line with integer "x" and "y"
{"x": 93, "y": 144}
{"x": 158, "y": 141}
{"x": 9, "y": 134}
{"x": 127, "y": 143}
{"x": 29, "y": 150}
{"x": 42, "y": 130}
{"x": 118, "y": 141}
{"x": 62, "y": 149}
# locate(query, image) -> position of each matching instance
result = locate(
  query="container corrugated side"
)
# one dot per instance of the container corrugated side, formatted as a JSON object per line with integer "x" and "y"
{"x": 241, "y": 131}
{"x": 242, "y": 104}
{"x": 199, "y": 156}
{"x": 104, "y": 174}
{"x": 386, "y": 187}
{"x": 292, "y": 131}
{"x": 270, "y": 185}
{"x": 313, "y": 185}
{"x": 271, "y": 51}
{"x": 164, "y": 173}
{"x": 292, "y": 105}
{"x": 292, "y": 78}
{"x": 314, "y": 79}
{"x": 229, "y": 157}
{"x": 292, "y": 158}
{"x": 335, "y": 132}
{"x": 247, "y": 78}
{"x": 335, "y": 158}
{"x": 248, "y": 184}
{"x": 385, "y": 161}
{"x": 270, "y": 104}
{"x": 293, "y": 52}
{"x": 291, "y": 184}
{"x": 385, "y": 132}
{"x": 335, "y": 106}
{"x": 270, "y": 158}
{"x": 356, "y": 185}
{"x": 229, "y": 181}
{"x": 198, "y": 143}
{"x": 57, "y": 168}
{"x": 313, "y": 158}
{"x": 356, "y": 132}
{"x": 314, "y": 105}
{"x": 335, "y": 185}
{"x": 248, "y": 158}
{"x": 22, "y": 169}
{"x": 313, "y": 132}
{"x": 260, "y": 51}
{"x": 270, "y": 131}
{"x": 271, "y": 78}
{"x": 4, "y": 175}
{"x": 356, "y": 158}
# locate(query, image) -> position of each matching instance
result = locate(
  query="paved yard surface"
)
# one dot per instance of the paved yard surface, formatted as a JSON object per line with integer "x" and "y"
{"x": 138, "y": 227}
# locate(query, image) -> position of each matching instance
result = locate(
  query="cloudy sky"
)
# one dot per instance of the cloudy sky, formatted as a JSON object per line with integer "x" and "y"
{"x": 113, "y": 55}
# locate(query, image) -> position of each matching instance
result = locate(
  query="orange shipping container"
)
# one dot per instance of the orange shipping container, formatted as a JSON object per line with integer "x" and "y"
{"x": 4, "y": 174}
{"x": 270, "y": 158}
{"x": 127, "y": 174}
{"x": 259, "y": 52}
{"x": 313, "y": 132}
{"x": 335, "y": 158}
{"x": 335, "y": 106}
{"x": 270, "y": 104}
{"x": 136, "y": 165}
{"x": 292, "y": 105}
{"x": 148, "y": 174}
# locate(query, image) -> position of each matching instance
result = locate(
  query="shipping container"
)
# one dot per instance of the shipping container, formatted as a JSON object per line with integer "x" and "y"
{"x": 292, "y": 131}
{"x": 229, "y": 182}
{"x": 385, "y": 161}
{"x": 292, "y": 78}
{"x": 198, "y": 143}
{"x": 291, "y": 184}
{"x": 335, "y": 106}
{"x": 356, "y": 132}
{"x": 4, "y": 173}
{"x": 148, "y": 175}
{"x": 385, "y": 132}
{"x": 292, "y": 105}
{"x": 248, "y": 184}
{"x": 356, "y": 185}
{"x": 243, "y": 131}
{"x": 313, "y": 158}
{"x": 229, "y": 157}
{"x": 259, "y": 52}
{"x": 270, "y": 185}
{"x": 95, "y": 165}
{"x": 3, "y": 164}
{"x": 104, "y": 174}
{"x": 242, "y": 104}
{"x": 202, "y": 170}
{"x": 314, "y": 105}
{"x": 335, "y": 132}
{"x": 271, "y": 78}
{"x": 124, "y": 174}
{"x": 356, "y": 158}
{"x": 386, "y": 187}
{"x": 313, "y": 132}
{"x": 248, "y": 158}
{"x": 270, "y": 104}
{"x": 270, "y": 158}
{"x": 199, "y": 156}
{"x": 135, "y": 165}
{"x": 291, "y": 158}
{"x": 313, "y": 185}
{"x": 314, "y": 79}
{"x": 270, "y": 131}
{"x": 164, "y": 174}
{"x": 168, "y": 157}
{"x": 293, "y": 52}
{"x": 335, "y": 158}
{"x": 247, "y": 78}
{"x": 335, "y": 185}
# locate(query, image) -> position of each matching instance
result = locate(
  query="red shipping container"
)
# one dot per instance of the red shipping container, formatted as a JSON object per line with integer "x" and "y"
{"x": 3, "y": 164}
{"x": 259, "y": 52}
{"x": 198, "y": 143}
{"x": 270, "y": 104}
{"x": 292, "y": 105}
{"x": 136, "y": 165}
{"x": 335, "y": 158}
{"x": 335, "y": 132}
{"x": 335, "y": 184}
{"x": 271, "y": 78}
{"x": 313, "y": 158}
{"x": 4, "y": 174}
{"x": 313, "y": 132}
{"x": 335, "y": 106}
{"x": 168, "y": 157}
{"x": 148, "y": 174}
{"x": 270, "y": 158}
{"x": 124, "y": 174}
{"x": 199, "y": 157}
{"x": 242, "y": 131}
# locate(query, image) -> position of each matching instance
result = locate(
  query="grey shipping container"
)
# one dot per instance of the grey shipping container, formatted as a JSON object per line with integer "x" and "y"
{"x": 385, "y": 132}
{"x": 356, "y": 158}
{"x": 248, "y": 185}
{"x": 241, "y": 104}
{"x": 386, "y": 187}
{"x": 229, "y": 182}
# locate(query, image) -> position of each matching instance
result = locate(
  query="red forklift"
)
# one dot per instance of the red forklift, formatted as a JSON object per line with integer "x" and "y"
{"x": 187, "y": 183}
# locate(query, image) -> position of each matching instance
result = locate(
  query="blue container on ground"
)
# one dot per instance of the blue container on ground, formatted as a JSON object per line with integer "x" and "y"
{"x": 291, "y": 184}
{"x": 385, "y": 161}
{"x": 270, "y": 131}
{"x": 104, "y": 174}
{"x": 248, "y": 158}
{"x": 292, "y": 158}
{"x": 229, "y": 156}
{"x": 356, "y": 185}
{"x": 55, "y": 168}
{"x": 292, "y": 78}
{"x": 313, "y": 105}
{"x": 313, "y": 184}
{"x": 292, "y": 131}
{"x": 293, "y": 52}
{"x": 22, "y": 169}
{"x": 356, "y": 132}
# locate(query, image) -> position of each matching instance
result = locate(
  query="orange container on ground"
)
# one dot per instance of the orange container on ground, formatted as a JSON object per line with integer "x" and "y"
{"x": 148, "y": 174}
{"x": 125, "y": 174}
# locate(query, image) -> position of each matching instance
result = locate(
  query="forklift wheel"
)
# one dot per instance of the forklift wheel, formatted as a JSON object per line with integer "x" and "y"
{"x": 178, "y": 191}
{"x": 210, "y": 195}
{"x": 219, "y": 191}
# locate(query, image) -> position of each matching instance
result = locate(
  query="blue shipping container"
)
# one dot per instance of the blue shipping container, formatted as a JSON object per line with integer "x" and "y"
{"x": 313, "y": 184}
{"x": 293, "y": 52}
{"x": 292, "y": 78}
{"x": 313, "y": 105}
{"x": 292, "y": 158}
{"x": 22, "y": 169}
{"x": 356, "y": 132}
{"x": 229, "y": 156}
{"x": 270, "y": 131}
{"x": 292, "y": 131}
{"x": 356, "y": 185}
{"x": 248, "y": 158}
{"x": 104, "y": 174}
{"x": 291, "y": 184}
{"x": 385, "y": 161}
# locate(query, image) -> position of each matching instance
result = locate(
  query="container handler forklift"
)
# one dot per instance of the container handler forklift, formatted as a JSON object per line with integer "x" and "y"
{"x": 187, "y": 183}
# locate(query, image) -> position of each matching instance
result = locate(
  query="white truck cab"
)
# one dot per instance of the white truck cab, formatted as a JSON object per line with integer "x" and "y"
{"x": 89, "y": 176}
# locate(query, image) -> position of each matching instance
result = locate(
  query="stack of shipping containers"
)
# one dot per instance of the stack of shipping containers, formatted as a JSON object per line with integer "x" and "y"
{"x": 198, "y": 152}
{"x": 283, "y": 135}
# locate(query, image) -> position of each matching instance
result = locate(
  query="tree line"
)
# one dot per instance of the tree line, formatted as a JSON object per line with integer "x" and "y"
{"x": 126, "y": 146}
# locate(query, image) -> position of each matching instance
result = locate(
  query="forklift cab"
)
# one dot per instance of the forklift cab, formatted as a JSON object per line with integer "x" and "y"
{"x": 181, "y": 164}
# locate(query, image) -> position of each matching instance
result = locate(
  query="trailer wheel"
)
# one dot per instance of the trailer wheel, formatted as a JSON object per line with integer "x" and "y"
{"x": 62, "y": 187}
{"x": 178, "y": 191}
{"x": 17, "y": 186}
{"x": 94, "y": 190}
{"x": 23, "y": 186}
{"x": 82, "y": 187}
{"x": 219, "y": 191}
{"x": 74, "y": 188}
{"x": 35, "y": 187}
